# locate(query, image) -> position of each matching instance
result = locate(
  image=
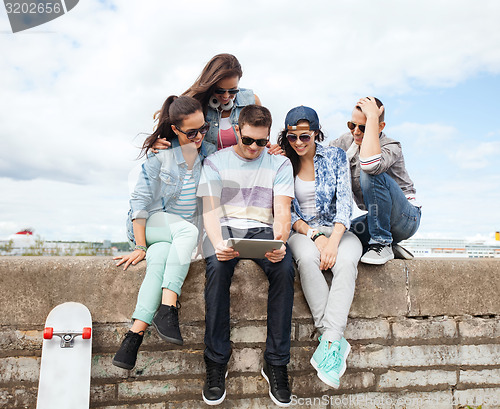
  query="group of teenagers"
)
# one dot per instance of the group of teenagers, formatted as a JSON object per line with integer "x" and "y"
{"x": 211, "y": 174}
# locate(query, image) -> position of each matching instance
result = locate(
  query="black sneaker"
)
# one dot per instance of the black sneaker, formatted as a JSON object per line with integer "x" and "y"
{"x": 166, "y": 322}
{"x": 214, "y": 390}
{"x": 279, "y": 388}
{"x": 127, "y": 354}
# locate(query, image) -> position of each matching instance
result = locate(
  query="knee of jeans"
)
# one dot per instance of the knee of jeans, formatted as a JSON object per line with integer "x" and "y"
{"x": 307, "y": 263}
{"x": 157, "y": 252}
{"x": 282, "y": 271}
{"x": 216, "y": 271}
{"x": 346, "y": 268}
{"x": 367, "y": 180}
{"x": 290, "y": 274}
{"x": 190, "y": 230}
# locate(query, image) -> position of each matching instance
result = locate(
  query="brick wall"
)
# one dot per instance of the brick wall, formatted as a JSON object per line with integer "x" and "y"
{"x": 424, "y": 334}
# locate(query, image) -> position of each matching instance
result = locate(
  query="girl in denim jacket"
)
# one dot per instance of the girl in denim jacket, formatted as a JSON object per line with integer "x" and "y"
{"x": 217, "y": 89}
{"x": 319, "y": 242}
{"x": 222, "y": 100}
{"x": 162, "y": 222}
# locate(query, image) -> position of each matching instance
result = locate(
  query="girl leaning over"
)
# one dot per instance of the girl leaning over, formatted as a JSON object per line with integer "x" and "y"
{"x": 217, "y": 89}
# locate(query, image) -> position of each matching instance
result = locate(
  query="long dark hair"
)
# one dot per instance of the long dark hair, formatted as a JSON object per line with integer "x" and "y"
{"x": 173, "y": 112}
{"x": 219, "y": 67}
{"x": 290, "y": 152}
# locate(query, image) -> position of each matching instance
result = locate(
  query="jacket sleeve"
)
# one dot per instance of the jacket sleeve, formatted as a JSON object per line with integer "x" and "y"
{"x": 343, "y": 194}
{"x": 295, "y": 216}
{"x": 148, "y": 185}
{"x": 342, "y": 141}
{"x": 377, "y": 164}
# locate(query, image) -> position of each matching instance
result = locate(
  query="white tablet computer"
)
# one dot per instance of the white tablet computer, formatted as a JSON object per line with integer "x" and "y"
{"x": 253, "y": 248}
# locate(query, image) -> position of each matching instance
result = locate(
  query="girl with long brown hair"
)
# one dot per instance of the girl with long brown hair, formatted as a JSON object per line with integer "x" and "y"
{"x": 162, "y": 222}
{"x": 217, "y": 89}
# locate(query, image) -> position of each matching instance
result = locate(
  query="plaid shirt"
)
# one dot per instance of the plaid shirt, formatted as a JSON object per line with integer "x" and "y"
{"x": 332, "y": 187}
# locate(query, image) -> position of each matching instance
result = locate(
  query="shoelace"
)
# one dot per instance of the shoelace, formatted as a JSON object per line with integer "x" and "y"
{"x": 377, "y": 247}
{"x": 331, "y": 356}
{"x": 132, "y": 339}
{"x": 172, "y": 319}
{"x": 215, "y": 374}
{"x": 280, "y": 376}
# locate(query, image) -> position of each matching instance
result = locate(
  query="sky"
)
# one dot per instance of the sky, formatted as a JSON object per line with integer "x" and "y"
{"x": 77, "y": 96}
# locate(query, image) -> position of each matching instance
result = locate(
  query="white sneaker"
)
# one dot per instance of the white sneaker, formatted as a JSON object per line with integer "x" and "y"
{"x": 378, "y": 254}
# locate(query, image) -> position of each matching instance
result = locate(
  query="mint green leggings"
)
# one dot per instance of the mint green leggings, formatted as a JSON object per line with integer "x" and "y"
{"x": 171, "y": 241}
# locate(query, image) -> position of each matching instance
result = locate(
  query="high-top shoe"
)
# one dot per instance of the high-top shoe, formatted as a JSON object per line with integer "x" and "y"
{"x": 127, "y": 354}
{"x": 214, "y": 390}
{"x": 166, "y": 322}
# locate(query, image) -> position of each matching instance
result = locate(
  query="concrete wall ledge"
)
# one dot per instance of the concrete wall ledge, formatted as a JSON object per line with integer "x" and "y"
{"x": 423, "y": 329}
{"x": 32, "y": 286}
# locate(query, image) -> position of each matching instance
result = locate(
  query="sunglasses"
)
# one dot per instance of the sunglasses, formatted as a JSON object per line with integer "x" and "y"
{"x": 352, "y": 126}
{"x": 221, "y": 91}
{"x": 248, "y": 141}
{"x": 192, "y": 133}
{"x": 305, "y": 137}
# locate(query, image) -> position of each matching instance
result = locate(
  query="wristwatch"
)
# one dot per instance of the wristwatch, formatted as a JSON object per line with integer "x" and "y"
{"x": 310, "y": 233}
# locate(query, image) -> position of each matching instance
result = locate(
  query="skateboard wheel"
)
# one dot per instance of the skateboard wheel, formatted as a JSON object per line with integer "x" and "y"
{"x": 47, "y": 333}
{"x": 87, "y": 332}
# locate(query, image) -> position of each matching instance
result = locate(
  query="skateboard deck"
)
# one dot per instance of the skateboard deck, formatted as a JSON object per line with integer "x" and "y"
{"x": 66, "y": 357}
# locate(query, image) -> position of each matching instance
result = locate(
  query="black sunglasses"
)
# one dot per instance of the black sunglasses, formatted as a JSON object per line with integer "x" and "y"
{"x": 248, "y": 141}
{"x": 192, "y": 133}
{"x": 305, "y": 137}
{"x": 352, "y": 126}
{"x": 221, "y": 91}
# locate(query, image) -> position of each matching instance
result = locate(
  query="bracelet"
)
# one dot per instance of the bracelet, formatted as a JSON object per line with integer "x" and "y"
{"x": 143, "y": 248}
{"x": 313, "y": 238}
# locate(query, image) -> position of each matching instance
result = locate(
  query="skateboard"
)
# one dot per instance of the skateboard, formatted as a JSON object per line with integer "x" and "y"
{"x": 66, "y": 357}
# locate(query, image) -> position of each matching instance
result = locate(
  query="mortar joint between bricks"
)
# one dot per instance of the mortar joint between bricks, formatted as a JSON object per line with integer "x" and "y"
{"x": 391, "y": 339}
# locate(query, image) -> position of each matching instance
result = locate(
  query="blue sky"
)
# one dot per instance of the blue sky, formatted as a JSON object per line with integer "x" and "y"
{"x": 78, "y": 90}
{"x": 442, "y": 130}
{"x": 455, "y": 172}
{"x": 469, "y": 104}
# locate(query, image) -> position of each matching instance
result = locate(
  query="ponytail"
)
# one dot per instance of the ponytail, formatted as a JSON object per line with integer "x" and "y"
{"x": 173, "y": 112}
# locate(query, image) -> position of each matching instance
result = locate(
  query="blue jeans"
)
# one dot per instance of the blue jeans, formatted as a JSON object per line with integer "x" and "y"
{"x": 391, "y": 218}
{"x": 279, "y": 300}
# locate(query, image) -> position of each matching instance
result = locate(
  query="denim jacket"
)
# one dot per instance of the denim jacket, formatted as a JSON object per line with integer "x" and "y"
{"x": 332, "y": 187}
{"x": 160, "y": 182}
{"x": 243, "y": 98}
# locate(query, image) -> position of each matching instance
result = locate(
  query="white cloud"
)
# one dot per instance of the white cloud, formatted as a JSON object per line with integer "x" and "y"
{"x": 463, "y": 204}
{"x": 493, "y": 134}
{"x": 64, "y": 211}
{"x": 472, "y": 157}
{"x": 76, "y": 91}
{"x": 459, "y": 197}
{"x": 423, "y": 136}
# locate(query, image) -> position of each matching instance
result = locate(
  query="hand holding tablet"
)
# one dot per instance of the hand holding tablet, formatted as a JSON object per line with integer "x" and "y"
{"x": 254, "y": 248}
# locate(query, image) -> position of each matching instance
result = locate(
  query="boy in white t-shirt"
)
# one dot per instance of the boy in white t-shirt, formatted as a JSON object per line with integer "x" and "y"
{"x": 247, "y": 194}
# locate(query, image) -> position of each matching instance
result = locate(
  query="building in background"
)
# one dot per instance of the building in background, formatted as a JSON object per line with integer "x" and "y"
{"x": 25, "y": 243}
{"x": 454, "y": 248}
